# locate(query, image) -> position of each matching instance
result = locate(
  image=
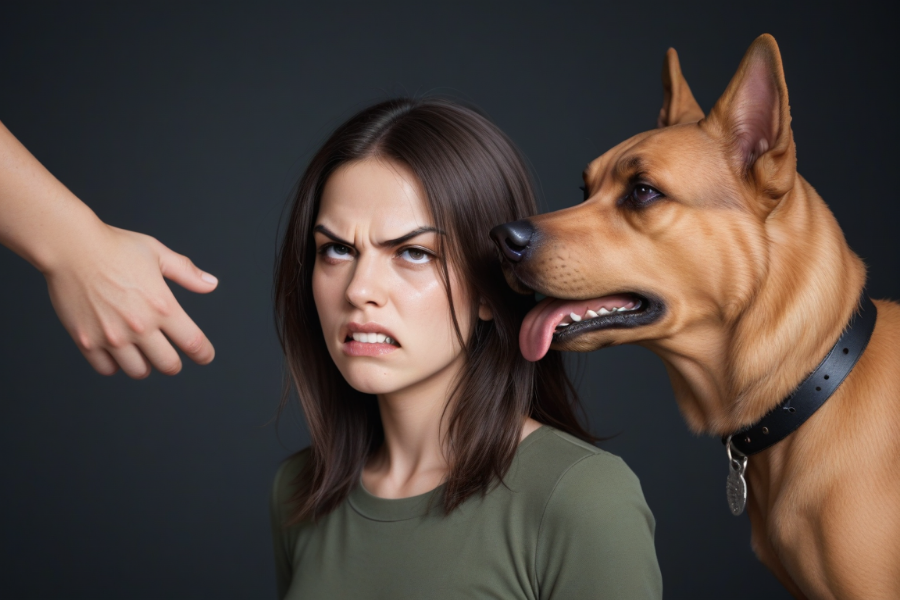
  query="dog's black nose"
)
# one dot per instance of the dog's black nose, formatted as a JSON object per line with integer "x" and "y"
{"x": 513, "y": 239}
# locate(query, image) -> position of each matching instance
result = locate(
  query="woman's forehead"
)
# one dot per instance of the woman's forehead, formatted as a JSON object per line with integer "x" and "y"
{"x": 377, "y": 195}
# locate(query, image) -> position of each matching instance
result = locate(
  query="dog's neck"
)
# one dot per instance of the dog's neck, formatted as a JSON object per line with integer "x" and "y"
{"x": 729, "y": 377}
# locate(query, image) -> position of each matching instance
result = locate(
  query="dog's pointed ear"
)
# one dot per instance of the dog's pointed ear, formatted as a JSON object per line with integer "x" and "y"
{"x": 753, "y": 118}
{"x": 679, "y": 105}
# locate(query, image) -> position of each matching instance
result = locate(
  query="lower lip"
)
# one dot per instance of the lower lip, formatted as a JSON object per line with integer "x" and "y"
{"x": 354, "y": 348}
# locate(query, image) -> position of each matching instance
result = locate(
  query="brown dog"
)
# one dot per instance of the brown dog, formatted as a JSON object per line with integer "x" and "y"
{"x": 700, "y": 241}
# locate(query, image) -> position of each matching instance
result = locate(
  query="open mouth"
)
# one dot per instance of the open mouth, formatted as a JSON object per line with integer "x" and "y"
{"x": 361, "y": 343}
{"x": 600, "y": 313}
{"x": 556, "y": 320}
{"x": 370, "y": 338}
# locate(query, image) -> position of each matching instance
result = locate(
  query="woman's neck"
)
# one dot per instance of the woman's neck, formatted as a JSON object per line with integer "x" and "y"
{"x": 412, "y": 460}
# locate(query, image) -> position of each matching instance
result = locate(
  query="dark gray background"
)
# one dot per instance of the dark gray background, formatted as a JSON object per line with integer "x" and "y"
{"x": 191, "y": 122}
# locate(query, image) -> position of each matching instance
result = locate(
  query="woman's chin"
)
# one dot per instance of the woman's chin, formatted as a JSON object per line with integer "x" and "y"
{"x": 371, "y": 379}
{"x": 374, "y": 388}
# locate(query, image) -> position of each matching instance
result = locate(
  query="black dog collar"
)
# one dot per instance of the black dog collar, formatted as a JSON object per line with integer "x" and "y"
{"x": 815, "y": 389}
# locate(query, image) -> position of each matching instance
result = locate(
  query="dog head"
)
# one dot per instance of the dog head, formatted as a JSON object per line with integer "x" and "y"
{"x": 671, "y": 234}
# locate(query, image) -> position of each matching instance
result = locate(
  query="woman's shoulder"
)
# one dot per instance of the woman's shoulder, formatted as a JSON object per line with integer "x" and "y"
{"x": 573, "y": 477}
{"x": 561, "y": 457}
{"x": 596, "y": 530}
{"x": 286, "y": 478}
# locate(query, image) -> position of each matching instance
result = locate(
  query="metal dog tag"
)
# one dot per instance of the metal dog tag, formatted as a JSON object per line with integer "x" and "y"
{"x": 736, "y": 485}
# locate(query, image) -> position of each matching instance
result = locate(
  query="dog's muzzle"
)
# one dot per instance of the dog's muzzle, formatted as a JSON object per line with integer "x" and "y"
{"x": 514, "y": 239}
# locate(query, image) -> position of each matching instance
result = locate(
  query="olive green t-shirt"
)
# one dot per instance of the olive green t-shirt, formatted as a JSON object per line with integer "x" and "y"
{"x": 569, "y": 523}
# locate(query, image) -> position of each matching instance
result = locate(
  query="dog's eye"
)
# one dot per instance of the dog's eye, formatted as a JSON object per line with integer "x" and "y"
{"x": 585, "y": 192}
{"x": 642, "y": 195}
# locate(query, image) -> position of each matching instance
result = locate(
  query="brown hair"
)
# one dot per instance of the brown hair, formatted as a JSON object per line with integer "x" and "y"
{"x": 474, "y": 178}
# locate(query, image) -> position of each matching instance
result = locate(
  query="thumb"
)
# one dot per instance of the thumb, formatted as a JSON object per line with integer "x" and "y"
{"x": 182, "y": 271}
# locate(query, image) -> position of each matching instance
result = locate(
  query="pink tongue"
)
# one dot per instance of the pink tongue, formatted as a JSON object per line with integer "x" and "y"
{"x": 539, "y": 324}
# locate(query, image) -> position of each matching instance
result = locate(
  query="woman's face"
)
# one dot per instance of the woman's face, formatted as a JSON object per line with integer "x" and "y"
{"x": 376, "y": 282}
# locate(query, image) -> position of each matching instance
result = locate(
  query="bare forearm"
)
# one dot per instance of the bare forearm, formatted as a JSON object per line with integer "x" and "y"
{"x": 105, "y": 283}
{"x": 39, "y": 216}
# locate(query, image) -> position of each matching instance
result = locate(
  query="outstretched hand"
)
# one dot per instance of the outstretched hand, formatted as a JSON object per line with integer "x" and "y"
{"x": 110, "y": 295}
{"x": 106, "y": 284}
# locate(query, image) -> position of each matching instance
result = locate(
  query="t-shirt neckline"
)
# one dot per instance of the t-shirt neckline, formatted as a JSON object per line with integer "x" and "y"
{"x": 376, "y": 508}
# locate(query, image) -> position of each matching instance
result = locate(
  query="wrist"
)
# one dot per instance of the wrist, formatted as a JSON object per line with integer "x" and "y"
{"x": 64, "y": 237}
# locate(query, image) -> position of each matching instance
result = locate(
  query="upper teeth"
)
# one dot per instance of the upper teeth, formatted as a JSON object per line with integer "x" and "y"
{"x": 372, "y": 338}
{"x": 590, "y": 314}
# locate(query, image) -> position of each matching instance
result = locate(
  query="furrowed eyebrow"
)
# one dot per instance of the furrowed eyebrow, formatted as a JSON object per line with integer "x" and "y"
{"x": 409, "y": 236}
{"x": 324, "y": 231}
{"x": 389, "y": 243}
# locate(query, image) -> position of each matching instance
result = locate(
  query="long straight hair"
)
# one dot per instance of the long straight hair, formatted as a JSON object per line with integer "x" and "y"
{"x": 474, "y": 178}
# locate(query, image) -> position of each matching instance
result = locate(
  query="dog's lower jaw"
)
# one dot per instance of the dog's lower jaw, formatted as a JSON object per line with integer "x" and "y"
{"x": 581, "y": 345}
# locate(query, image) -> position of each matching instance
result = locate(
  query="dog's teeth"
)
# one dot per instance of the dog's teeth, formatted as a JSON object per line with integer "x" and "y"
{"x": 563, "y": 324}
{"x": 574, "y": 317}
{"x": 604, "y": 311}
{"x": 591, "y": 314}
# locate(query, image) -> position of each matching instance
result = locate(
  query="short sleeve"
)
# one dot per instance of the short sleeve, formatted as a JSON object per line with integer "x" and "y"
{"x": 282, "y": 540}
{"x": 596, "y": 536}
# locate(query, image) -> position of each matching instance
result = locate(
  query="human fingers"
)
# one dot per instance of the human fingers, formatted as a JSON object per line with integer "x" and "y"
{"x": 182, "y": 271}
{"x": 157, "y": 349}
{"x": 133, "y": 363}
{"x": 185, "y": 334}
{"x": 101, "y": 360}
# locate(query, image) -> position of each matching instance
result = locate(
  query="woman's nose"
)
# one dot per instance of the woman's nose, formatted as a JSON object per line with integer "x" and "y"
{"x": 368, "y": 286}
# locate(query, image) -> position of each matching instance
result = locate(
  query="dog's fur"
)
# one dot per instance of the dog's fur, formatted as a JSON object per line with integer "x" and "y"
{"x": 757, "y": 283}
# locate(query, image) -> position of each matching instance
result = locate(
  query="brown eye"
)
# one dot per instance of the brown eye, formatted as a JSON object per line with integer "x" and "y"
{"x": 337, "y": 252}
{"x": 641, "y": 196}
{"x": 416, "y": 256}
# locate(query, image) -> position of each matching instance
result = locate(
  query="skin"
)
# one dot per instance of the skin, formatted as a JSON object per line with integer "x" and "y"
{"x": 106, "y": 284}
{"x": 394, "y": 287}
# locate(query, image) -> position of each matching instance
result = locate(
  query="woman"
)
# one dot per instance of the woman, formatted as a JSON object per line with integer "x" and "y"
{"x": 442, "y": 464}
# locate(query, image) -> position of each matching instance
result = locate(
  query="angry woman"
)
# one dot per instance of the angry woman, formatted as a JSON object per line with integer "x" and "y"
{"x": 442, "y": 463}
